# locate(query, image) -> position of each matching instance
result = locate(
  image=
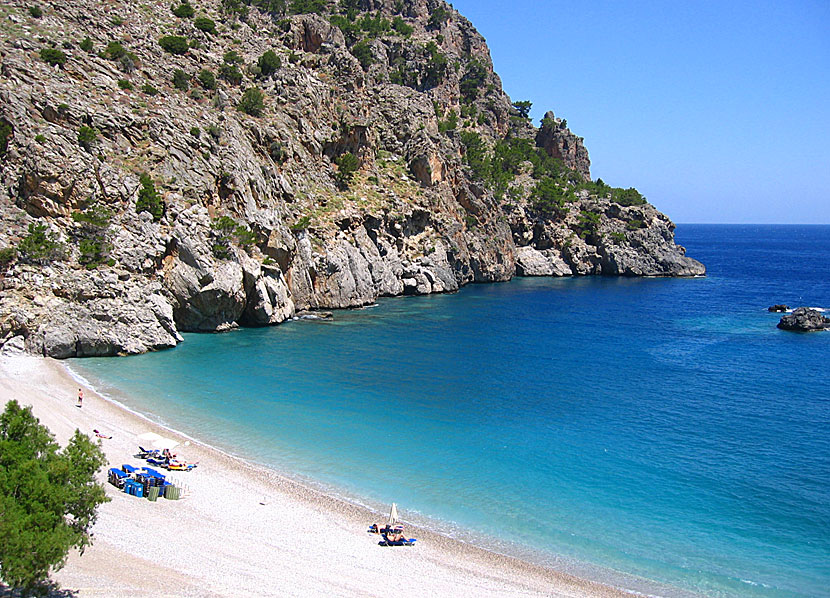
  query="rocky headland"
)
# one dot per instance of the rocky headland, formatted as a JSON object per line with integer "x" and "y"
{"x": 206, "y": 165}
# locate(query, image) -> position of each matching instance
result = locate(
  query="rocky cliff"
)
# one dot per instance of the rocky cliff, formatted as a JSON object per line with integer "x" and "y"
{"x": 199, "y": 166}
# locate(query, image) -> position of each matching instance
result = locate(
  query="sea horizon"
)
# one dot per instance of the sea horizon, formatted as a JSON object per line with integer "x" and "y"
{"x": 593, "y": 529}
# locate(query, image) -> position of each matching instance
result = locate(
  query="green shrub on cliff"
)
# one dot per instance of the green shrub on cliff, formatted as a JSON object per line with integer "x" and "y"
{"x": 363, "y": 53}
{"x": 347, "y": 165}
{"x": 53, "y": 56}
{"x": 6, "y": 133}
{"x": 268, "y": 64}
{"x": 401, "y": 26}
{"x": 174, "y": 44}
{"x": 227, "y": 230}
{"x": 149, "y": 199}
{"x": 252, "y": 102}
{"x": 181, "y": 80}
{"x": 40, "y": 246}
{"x": 302, "y": 7}
{"x": 230, "y": 73}
{"x": 87, "y": 137}
{"x": 48, "y": 498}
{"x": 35, "y": 11}
{"x": 206, "y": 79}
{"x": 86, "y": 45}
{"x": 439, "y": 16}
{"x": 205, "y": 24}
{"x": 474, "y": 77}
{"x": 183, "y": 10}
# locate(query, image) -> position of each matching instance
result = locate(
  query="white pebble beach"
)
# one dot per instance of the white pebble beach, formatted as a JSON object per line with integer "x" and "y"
{"x": 220, "y": 540}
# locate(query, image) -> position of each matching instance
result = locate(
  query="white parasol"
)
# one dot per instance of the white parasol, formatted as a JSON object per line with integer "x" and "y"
{"x": 393, "y": 515}
{"x": 165, "y": 443}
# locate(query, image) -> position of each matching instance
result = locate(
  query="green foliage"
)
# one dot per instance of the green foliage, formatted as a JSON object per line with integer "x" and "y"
{"x": 183, "y": 10}
{"x": 401, "y": 26}
{"x": 125, "y": 84}
{"x": 53, "y": 56}
{"x": 41, "y": 139}
{"x": 174, "y": 44}
{"x": 86, "y": 45}
{"x": 436, "y": 67}
{"x": 627, "y": 197}
{"x": 114, "y": 51}
{"x": 96, "y": 215}
{"x": 350, "y": 29}
{"x": 205, "y": 24}
{"x": 6, "y": 133}
{"x": 40, "y": 246}
{"x": 474, "y": 77}
{"x": 449, "y": 124}
{"x": 227, "y": 230}
{"x": 588, "y": 221}
{"x": 149, "y": 199}
{"x": 635, "y": 224}
{"x": 363, "y": 53}
{"x": 35, "y": 11}
{"x": 214, "y": 131}
{"x": 181, "y": 80}
{"x": 347, "y": 165}
{"x": 374, "y": 26}
{"x": 252, "y": 102}
{"x": 196, "y": 132}
{"x": 301, "y": 7}
{"x": 117, "y": 21}
{"x": 230, "y": 73}
{"x": 475, "y": 155}
{"x": 618, "y": 236}
{"x": 149, "y": 89}
{"x": 86, "y": 137}
{"x": 232, "y": 57}
{"x": 93, "y": 245}
{"x": 268, "y": 63}
{"x": 206, "y": 79}
{"x": 7, "y": 256}
{"x": 48, "y": 497}
{"x": 277, "y": 152}
{"x": 549, "y": 198}
{"x": 438, "y": 17}
{"x": 523, "y": 108}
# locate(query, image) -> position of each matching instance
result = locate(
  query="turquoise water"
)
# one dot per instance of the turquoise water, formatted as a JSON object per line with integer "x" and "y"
{"x": 661, "y": 429}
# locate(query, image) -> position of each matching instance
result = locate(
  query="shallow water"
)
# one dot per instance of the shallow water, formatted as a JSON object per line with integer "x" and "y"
{"x": 658, "y": 428}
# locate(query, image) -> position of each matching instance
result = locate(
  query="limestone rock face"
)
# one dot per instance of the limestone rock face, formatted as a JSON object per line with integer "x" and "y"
{"x": 259, "y": 218}
{"x": 804, "y": 319}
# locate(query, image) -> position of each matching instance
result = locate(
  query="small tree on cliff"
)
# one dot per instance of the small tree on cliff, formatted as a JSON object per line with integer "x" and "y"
{"x": 149, "y": 199}
{"x": 48, "y": 497}
{"x": 347, "y": 165}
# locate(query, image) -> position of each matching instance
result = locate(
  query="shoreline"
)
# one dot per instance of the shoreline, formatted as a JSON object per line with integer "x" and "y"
{"x": 300, "y": 541}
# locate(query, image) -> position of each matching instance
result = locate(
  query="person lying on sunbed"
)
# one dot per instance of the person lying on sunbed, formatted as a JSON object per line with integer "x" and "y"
{"x": 100, "y": 435}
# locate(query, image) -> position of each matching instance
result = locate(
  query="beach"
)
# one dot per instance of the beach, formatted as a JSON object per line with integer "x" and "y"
{"x": 244, "y": 530}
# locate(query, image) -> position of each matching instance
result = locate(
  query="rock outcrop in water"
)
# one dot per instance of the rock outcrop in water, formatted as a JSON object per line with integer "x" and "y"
{"x": 804, "y": 319}
{"x": 256, "y": 163}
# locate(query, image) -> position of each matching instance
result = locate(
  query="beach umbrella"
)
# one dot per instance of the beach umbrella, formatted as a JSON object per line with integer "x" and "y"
{"x": 149, "y": 436}
{"x": 165, "y": 443}
{"x": 393, "y": 515}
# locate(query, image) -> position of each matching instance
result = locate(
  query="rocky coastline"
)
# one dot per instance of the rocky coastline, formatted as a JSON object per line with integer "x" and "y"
{"x": 136, "y": 206}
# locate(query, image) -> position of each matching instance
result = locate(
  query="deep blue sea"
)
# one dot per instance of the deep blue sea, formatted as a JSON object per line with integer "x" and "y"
{"x": 623, "y": 429}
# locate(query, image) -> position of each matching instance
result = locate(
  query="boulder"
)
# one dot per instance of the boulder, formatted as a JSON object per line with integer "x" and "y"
{"x": 804, "y": 319}
{"x": 780, "y": 307}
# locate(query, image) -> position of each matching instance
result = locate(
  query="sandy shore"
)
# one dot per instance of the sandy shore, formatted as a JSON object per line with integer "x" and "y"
{"x": 221, "y": 541}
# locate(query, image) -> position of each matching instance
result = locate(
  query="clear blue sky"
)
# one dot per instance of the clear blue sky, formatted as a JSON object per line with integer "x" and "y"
{"x": 715, "y": 111}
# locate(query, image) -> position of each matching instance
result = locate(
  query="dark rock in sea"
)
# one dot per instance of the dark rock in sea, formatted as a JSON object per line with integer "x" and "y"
{"x": 779, "y": 308}
{"x": 804, "y": 319}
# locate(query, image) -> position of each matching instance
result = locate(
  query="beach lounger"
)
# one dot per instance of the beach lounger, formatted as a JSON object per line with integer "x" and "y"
{"x": 407, "y": 542}
{"x": 129, "y": 468}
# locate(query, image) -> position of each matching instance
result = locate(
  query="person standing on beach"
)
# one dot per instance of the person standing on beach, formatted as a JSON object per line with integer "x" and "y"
{"x": 80, "y": 398}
